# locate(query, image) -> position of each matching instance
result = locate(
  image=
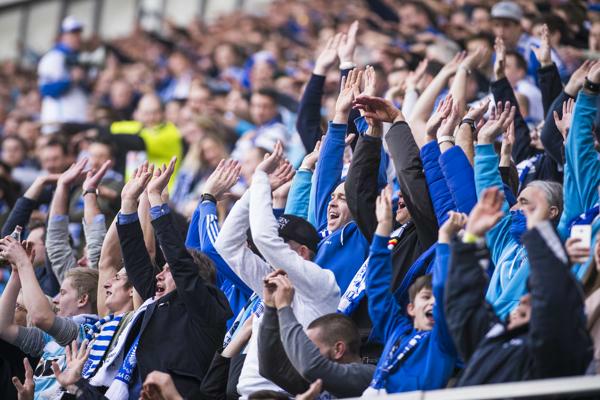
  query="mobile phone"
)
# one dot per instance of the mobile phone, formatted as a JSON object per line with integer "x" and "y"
{"x": 584, "y": 233}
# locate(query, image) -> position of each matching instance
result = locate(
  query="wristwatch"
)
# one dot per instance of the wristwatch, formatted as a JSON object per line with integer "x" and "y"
{"x": 591, "y": 86}
{"x": 209, "y": 197}
{"x": 88, "y": 191}
{"x": 470, "y": 122}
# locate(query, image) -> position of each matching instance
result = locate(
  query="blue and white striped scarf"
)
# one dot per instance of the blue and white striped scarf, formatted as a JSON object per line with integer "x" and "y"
{"x": 104, "y": 330}
{"x": 254, "y": 306}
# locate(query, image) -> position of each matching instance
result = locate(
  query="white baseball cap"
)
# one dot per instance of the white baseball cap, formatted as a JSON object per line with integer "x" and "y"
{"x": 71, "y": 24}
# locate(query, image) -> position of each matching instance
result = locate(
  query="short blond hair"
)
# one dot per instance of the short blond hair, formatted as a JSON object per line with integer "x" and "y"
{"x": 85, "y": 281}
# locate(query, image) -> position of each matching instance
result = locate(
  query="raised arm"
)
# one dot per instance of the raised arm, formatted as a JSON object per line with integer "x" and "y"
{"x": 58, "y": 248}
{"x": 503, "y": 92}
{"x": 329, "y": 167}
{"x": 109, "y": 264}
{"x": 549, "y": 79}
{"x": 340, "y": 379}
{"x": 204, "y": 227}
{"x": 8, "y": 301}
{"x": 312, "y": 281}
{"x": 409, "y": 168}
{"x": 273, "y": 362}
{"x": 21, "y": 211}
{"x": 361, "y": 181}
{"x": 384, "y": 311}
{"x": 201, "y": 298}
{"x": 299, "y": 196}
{"x": 94, "y": 225}
{"x": 557, "y": 305}
{"x": 308, "y": 123}
{"x": 39, "y": 311}
{"x": 137, "y": 261}
{"x": 424, "y": 106}
{"x": 468, "y": 316}
{"x": 582, "y": 169}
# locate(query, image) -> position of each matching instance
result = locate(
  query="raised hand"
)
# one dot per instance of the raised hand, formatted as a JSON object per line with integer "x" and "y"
{"x": 563, "y": 124}
{"x": 442, "y": 112}
{"x": 73, "y": 174}
{"x": 93, "y": 178}
{"x": 160, "y": 180}
{"x": 543, "y": 53}
{"x": 76, "y": 358}
{"x": 378, "y": 108}
{"x": 271, "y": 161}
{"x": 269, "y": 288}
{"x": 578, "y": 254}
{"x": 486, "y": 213}
{"x": 13, "y": 252}
{"x": 284, "y": 291}
{"x": 450, "y": 122}
{"x": 499, "y": 121}
{"x": 347, "y": 44}
{"x": 138, "y": 182}
{"x": 499, "y": 64}
{"x": 594, "y": 74}
{"x": 413, "y": 78}
{"x": 455, "y": 222}
{"x": 223, "y": 178}
{"x": 370, "y": 86}
{"x": 475, "y": 58}
{"x": 350, "y": 88}
{"x": 26, "y": 389}
{"x": 282, "y": 175}
{"x": 577, "y": 78}
{"x": 328, "y": 55}
{"x": 383, "y": 212}
{"x": 310, "y": 160}
{"x": 476, "y": 112}
{"x": 508, "y": 141}
{"x": 450, "y": 68}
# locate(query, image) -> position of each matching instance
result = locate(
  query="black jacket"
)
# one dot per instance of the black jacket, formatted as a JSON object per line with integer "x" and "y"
{"x": 361, "y": 192}
{"x": 181, "y": 331}
{"x": 555, "y": 343}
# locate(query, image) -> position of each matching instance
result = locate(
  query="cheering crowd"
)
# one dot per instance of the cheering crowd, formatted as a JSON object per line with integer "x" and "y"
{"x": 335, "y": 199}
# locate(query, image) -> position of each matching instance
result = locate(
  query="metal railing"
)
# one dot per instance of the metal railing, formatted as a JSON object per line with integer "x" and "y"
{"x": 541, "y": 389}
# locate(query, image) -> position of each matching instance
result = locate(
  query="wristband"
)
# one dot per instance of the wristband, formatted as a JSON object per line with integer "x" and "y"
{"x": 347, "y": 65}
{"x": 468, "y": 237}
{"x": 591, "y": 86}
{"x": 443, "y": 139}
{"x": 208, "y": 197}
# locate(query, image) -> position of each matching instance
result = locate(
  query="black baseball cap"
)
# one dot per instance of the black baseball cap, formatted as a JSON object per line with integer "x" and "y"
{"x": 299, "y": 230}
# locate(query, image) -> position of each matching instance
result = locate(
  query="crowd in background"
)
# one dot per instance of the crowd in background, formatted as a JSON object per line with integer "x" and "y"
{"x": 327, "y": 200}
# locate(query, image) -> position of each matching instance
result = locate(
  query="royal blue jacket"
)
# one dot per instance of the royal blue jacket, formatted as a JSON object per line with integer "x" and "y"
{"x": 432, "y": 361}
{"x": 202, "y": 233}
{"x": 344, "y": 250}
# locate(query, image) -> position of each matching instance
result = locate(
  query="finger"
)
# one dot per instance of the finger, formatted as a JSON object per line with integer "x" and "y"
{"x": 18, "y": 385}
{"x": 556, "y": 117}
{"x": 28, "y": 369}
{"x": 55, "y": 369}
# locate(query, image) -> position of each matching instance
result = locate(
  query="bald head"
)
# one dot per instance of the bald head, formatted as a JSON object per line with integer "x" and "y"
{"x": 149, "y": 110}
